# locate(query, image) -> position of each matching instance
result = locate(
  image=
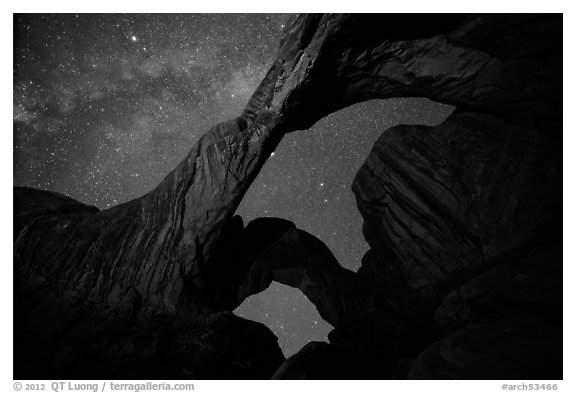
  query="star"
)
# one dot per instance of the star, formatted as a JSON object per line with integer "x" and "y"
{"x": 133, "y": 38}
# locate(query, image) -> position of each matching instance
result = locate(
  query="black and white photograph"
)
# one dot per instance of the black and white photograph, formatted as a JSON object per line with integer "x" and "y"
{"x": 286, "y": 196}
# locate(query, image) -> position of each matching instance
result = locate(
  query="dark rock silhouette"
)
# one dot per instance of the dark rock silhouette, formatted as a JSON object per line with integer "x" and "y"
{"x": 471, "y": 210}
{"x": 316, "y": 360}
{"x": 463, "y": 219}
{"x": 300, "y": 260}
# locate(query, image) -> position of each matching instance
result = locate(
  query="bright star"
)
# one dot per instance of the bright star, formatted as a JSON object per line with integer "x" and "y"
{"x": 134, "y": 38}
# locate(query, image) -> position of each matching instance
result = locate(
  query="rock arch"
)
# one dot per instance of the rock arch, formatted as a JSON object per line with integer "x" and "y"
{"x": 151, "y": 257}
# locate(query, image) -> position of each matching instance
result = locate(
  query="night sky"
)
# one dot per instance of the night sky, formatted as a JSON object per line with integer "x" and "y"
{"x": 106, "y": 105}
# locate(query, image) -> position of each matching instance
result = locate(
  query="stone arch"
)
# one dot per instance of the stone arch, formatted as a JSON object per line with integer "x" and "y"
{"x": 149, "y": 256}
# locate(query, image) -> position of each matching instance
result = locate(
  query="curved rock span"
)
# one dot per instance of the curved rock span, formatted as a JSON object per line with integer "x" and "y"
{"x": 464, "y": 275}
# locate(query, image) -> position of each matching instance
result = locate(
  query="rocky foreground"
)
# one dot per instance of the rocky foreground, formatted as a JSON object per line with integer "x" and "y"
{"x": 464, "y": 275}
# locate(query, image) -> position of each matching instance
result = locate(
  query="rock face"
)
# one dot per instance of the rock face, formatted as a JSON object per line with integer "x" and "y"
{"x": 463, "y": 219}
{"x": 441, "y": 204}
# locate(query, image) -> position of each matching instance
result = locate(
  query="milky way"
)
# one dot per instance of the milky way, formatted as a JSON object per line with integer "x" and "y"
{"x": 106, "y": 105}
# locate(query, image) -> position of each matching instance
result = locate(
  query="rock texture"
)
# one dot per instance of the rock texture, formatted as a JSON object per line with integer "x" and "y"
{"x": 465, "y": 219}
{"x": 145, "y": 289}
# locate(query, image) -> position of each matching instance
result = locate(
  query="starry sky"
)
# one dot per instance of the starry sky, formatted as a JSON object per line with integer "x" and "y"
{"x": 106, "y": 105}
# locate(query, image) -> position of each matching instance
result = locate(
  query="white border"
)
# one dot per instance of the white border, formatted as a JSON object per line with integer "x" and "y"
{"x": 166, "y": 6}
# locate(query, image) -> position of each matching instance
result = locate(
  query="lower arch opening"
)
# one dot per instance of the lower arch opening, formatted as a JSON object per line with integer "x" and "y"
{"x": 289, "y": 314}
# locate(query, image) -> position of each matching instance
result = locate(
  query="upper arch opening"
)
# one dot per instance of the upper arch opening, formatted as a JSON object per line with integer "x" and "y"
{"x": 308, "y": 178}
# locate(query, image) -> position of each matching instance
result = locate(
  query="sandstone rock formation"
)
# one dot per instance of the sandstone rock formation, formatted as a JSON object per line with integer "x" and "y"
{"x": 137, "y": 290}
{"x": 467, "y": 215}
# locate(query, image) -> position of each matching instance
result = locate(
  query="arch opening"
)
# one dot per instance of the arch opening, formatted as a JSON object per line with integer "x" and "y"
{"x": 294, "y": 325}
{"x": 307, "y": 180}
